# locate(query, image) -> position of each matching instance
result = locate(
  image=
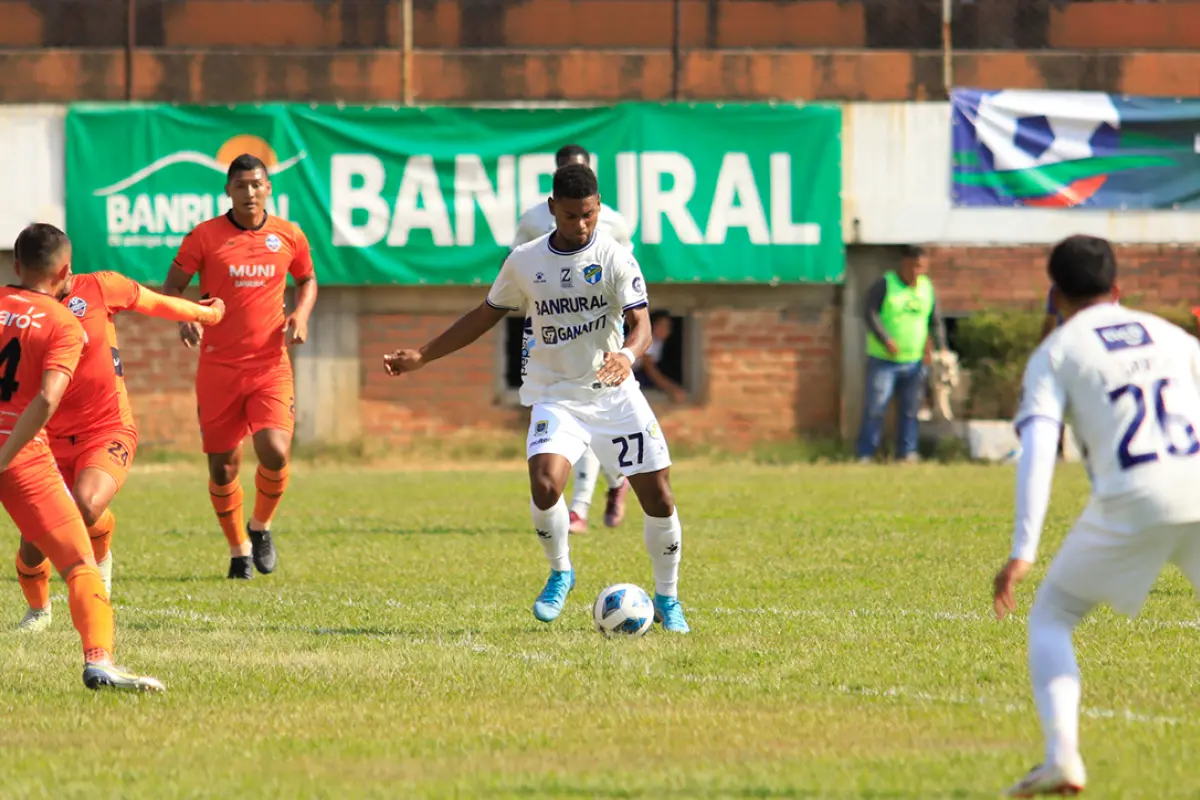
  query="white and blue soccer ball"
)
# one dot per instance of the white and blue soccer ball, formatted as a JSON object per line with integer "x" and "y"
{"x": 623, "y": 610}
{"x": 1027, "y": 129}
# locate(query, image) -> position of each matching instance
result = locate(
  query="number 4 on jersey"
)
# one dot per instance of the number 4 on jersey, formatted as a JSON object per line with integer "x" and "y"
{"x": 10, "y": 357}
{"x": 1167, "y": 422}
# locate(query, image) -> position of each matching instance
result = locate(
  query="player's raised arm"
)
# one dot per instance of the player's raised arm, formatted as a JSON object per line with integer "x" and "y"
{"x": 177, "y": 309}
{"x": 465, "y": 330}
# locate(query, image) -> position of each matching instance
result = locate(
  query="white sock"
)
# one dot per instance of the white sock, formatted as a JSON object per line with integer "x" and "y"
{"x": 553, "y": 530}
{"x": 664, "y": 540}
{"x": 1054, "y": 671}
{"x": 587, "y": 471}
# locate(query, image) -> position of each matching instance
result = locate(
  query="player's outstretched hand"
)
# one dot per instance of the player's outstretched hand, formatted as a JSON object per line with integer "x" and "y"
{"x": 218, "y": 306}
{"x": 399, "y": 362}
{"x": 189, "y": 334}
{"x": 297, "y": 330}
{"x": 1005, "y": 582}
{"x": 615, "y": 369}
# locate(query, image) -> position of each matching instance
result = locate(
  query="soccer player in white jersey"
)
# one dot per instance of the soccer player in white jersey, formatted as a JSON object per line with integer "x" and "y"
{"x": 1131, "y": 382}
{"x": 578, "y": 286}
{"x": 534, "y": 224}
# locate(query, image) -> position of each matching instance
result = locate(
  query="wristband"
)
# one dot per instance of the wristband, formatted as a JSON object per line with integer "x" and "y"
{"x": 625, "y": 351}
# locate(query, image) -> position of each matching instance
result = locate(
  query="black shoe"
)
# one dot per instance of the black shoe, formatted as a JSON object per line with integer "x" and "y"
{"x": 264, "y": 550}
{"x": 240, "y": 568}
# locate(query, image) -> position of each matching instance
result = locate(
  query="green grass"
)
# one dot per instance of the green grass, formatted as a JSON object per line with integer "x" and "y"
{"x": 841, "y": 647}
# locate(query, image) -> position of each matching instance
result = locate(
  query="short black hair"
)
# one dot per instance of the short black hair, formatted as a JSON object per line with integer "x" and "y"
{"x": 659, "y": 313}
{"x": 39, "y": 246}
{"x": 569, "y": 152}
{"x": 575, "y": 182}
{"x": 1083, "y": 267}
{"x": 244, "y": 163}
{"x": 912, "y": 251}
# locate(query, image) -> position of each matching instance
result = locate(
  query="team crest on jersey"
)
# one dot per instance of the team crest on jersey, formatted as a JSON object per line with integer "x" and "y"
{"x": 1124, "y": 336}
{"x": 273, "y": 243}
{"x": 541, "y": 427}
{"x": 592, "y": 274}
{"x": 77, "y": 306}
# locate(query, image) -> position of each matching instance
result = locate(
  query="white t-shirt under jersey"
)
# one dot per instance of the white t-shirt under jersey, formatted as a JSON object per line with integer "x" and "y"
{"x": 576, "y": 303}
{"x": 1131, "y": 382}
{"x": 538, "y": 221}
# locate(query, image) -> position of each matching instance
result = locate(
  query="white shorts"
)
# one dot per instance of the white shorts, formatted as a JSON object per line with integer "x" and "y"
{"x": 1113, "y": 565}
{"x": 620, "y": 428}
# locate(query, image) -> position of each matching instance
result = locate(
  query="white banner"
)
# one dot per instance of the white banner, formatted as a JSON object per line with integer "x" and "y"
{"x": 31, "y": 168}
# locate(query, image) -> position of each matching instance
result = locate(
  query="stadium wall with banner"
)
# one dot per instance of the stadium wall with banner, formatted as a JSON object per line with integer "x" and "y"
{"x": 717, "y": 193}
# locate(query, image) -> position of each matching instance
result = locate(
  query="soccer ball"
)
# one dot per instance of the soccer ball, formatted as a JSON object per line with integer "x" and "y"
{"x": 623, "y": 610}
{"x": 1023, "y": 130}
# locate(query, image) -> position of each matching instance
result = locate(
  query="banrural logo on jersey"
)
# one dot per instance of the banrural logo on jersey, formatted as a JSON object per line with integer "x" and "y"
{"x": 383, "y": 201}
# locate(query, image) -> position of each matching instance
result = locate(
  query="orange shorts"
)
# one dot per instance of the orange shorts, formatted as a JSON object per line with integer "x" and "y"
{"x": 233, "y": 401}
{"x": 35, "y": 496}
{"x": 108, "y": 451}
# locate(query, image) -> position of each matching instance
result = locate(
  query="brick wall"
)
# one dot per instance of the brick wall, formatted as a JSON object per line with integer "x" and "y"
{"x": 971, "y": 278}
{"x": 767, "y": 373}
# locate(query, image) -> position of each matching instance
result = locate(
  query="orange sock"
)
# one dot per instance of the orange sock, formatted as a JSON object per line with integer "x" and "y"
{"x": 227, "y": 502}
{"x": 35, "y": 582}
{"x": 91, "y": 613}
{"x": 101, "y": 534}
{"x": 269, "y": 485}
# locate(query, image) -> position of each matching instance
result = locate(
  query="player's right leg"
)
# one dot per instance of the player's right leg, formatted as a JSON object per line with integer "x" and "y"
{"x": 101, "y": 467}
{"x": 220, "y": 404}
{"x": 877, "y": 392}
{"x": 34, "y": 495}
{"x": 1099, "y": 563}
{"x": 555, "y": 442}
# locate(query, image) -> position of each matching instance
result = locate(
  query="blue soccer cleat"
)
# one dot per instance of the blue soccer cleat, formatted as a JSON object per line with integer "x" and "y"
{"x": 669, "y": 611}
{"x": 552, "y": 599}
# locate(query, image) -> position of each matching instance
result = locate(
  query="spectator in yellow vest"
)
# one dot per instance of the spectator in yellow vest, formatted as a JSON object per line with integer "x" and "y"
{"x": 902, "y": 325}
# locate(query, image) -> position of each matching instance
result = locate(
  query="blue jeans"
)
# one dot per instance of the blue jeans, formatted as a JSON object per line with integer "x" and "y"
{"x": 885, "y": 378}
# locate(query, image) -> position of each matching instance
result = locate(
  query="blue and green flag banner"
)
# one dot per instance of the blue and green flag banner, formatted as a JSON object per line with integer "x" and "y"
{"x": 1086, "y": 150}
{"x": 716, "y": 193}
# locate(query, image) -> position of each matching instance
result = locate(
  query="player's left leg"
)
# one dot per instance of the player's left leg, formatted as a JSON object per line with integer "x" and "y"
{"x": 33, "y": 568}
{"x": 587, "y": 472}
{"x": 626, "y": 434}
{"x": 614, "y": 504}
{"x": 271, "y": 412}
{"x": 101, "y": 467}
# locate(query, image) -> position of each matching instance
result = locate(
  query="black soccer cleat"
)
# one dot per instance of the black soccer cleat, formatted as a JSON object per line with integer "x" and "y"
{"x": 240, "y": 568}
{"x": 263, "y": 549}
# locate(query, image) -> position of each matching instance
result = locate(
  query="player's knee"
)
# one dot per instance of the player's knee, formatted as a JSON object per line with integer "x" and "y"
{"x": 273, "y": 449}
{"x": 30, "y": 555}
{"x": 656, "y": 496}
{"x": 223, "y": 473}
{"x": 544, "y": 491}
{"x": 90, "y": 508}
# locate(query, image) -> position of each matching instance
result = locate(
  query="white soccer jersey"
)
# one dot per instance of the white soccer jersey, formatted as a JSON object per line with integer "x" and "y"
{"x": 576, "y": 303}
{"x": 538, "y": 221}
{"x": 1131, "y": 381}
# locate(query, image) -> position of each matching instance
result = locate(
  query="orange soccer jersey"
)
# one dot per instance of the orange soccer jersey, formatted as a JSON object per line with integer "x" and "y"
{"x": 248, "y": 269}
{"x": 96, "y": 401}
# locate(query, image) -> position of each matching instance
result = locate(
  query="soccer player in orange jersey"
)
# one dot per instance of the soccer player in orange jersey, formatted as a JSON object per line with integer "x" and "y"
{"x": 244, "y": 381}
{"x": 40, "y": 345}
{"x": 92, "y": 435}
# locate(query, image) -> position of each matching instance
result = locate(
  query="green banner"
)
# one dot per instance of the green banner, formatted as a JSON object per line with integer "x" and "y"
{"x": 731, "y": 193}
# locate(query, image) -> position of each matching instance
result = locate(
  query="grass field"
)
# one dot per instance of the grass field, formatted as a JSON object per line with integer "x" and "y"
{"x": 841, "y": 647}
